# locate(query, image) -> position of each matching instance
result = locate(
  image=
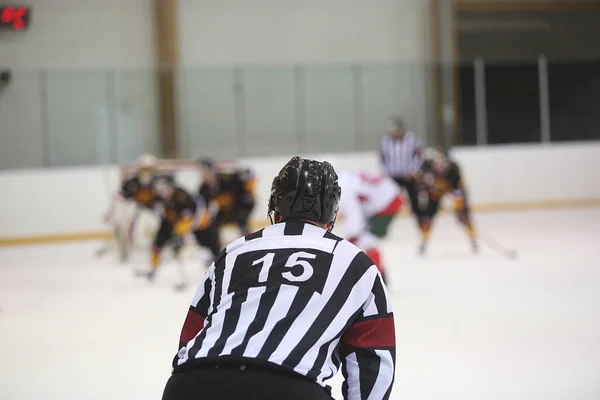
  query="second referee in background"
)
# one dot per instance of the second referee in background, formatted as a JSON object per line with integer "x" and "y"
{"x": 401, "y": 158}
{"x": 281, "y": 309}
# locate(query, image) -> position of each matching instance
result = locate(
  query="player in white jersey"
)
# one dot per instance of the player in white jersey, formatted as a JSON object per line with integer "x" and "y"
{"x": 368, "y": 206}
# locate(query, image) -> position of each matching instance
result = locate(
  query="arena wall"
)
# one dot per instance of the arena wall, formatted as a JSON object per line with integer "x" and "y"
{"x": 83, "y": 72}
{"x": 81, "y": 34}
{"x": 268, "y": 32}
{"x": 67, "y": 204}
{"x": 78, "y": 60}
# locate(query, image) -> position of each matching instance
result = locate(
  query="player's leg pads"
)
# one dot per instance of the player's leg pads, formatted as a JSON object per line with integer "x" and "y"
{"x": 209, "y": 238}
{"x": 412, "y": 191}
{"x": 463, "y": 217}
{"x": 240, "y": 381}
{"x": 164, "y": 234}
{"x": 242, "y": 221}
{"x": 413, "y": 197}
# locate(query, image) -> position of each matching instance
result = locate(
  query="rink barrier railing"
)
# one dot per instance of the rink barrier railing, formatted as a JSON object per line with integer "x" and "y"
{"x": 260, "y": 223}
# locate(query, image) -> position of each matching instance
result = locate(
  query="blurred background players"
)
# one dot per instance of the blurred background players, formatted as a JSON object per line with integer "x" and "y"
{"x": 230, "y": 190}
{"x": 438, "y": 177}
{"x": 401, "y": 157}
{"x": 180, "y": 215}
{"x": 368, "y": 204}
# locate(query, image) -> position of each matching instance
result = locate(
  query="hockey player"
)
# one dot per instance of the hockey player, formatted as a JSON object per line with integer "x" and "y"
{"x": 181, "y": 214}
{"x": 368, "y": 206}
{"x": 438, "y": 177}
{"x": 138, "y": 189}
{"x": 231, "y": 190}
{"x": 140, "y": 186}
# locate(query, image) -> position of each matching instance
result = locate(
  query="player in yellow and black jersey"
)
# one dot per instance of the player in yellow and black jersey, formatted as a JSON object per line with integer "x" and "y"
{"x": 231, "y": 191}
{"x": 181, "y": 214}
{"x": 439, "y": 176}
{"x": 139, "y": 187}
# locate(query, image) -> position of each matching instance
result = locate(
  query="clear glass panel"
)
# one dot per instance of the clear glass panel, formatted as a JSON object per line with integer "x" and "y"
{"x": 387, "y": 92}
{"x": 330, "y": 110}
{"x": 417, "y": 99}
{"x": 269, "y": 100}
{"x": 136, "y": 115}
{"x": 78, "y": 118}
{"x": 207, "y": 121}
{"x": 21, "y": 141}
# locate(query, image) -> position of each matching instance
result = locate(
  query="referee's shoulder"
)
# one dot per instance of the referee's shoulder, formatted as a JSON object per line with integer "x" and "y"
{"x": 410, "y": 135}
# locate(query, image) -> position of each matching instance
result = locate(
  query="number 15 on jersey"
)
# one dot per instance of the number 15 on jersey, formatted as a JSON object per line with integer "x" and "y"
{"x": 296, "y": 267}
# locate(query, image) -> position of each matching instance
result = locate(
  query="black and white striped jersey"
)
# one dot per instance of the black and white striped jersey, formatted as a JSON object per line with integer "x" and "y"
{"x": 297, "y": 297}
{"x": 401, "y": 156}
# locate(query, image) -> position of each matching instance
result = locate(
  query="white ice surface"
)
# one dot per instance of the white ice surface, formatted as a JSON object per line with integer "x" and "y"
{"x": 468, "y": 326}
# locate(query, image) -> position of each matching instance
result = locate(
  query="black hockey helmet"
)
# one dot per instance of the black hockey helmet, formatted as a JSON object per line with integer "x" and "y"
{"x": 305, "y": 189}
{"x": 397, "y": 122}
{"x": 164, "y": 184}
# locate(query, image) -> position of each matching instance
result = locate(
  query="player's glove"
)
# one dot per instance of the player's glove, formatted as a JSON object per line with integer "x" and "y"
{"x": 204, "y": 221}
{"x": 459, "y": 204}
{"x": 183, "y": 226}
{"x": 213, "y": 209}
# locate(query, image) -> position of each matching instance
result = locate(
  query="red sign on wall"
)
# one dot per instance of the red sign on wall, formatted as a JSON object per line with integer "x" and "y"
{"x": 14, "y": 18}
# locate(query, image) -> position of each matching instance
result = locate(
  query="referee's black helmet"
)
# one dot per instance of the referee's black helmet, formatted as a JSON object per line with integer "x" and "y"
{"x": 305, "y": 189}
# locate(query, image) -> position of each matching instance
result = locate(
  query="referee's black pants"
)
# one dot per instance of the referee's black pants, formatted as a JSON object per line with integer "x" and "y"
{"x": 410, "y": 185}
{"x": 237, "y": 382}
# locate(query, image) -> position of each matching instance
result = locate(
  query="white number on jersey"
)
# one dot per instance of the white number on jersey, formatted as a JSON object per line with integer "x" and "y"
{"x": 308, "y": 269}
{"x": 292, "y": 261}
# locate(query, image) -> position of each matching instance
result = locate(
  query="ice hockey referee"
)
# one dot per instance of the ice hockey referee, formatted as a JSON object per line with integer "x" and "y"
{"x": 280, "y": 310}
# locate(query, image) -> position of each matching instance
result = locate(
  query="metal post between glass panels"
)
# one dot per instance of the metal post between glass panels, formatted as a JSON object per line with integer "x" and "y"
{"x": 240, "y": 112}
{"x": 45, "y": 119}
{"x": 183, "y": 132}
{"x": 480, "y": 101}
{"x": 448, "y": 61}
{"x": 544, "y": 98}
{"x": 111, "y": 104}
{"x": 358, "y": 107}
{"x": 300, "y": 109}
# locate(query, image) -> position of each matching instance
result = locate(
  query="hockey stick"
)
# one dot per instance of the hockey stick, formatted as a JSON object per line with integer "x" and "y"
{"x": 503, "y": 251}
{"x": 183, "y": 276}
{"x": 117, "y": 239}
{"x": 106, "y": 246}
{"x": 177, "y": 243}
